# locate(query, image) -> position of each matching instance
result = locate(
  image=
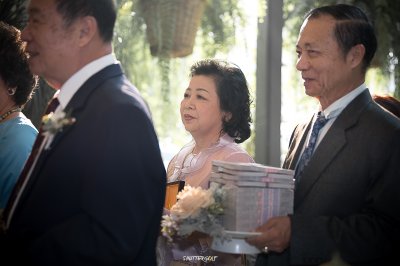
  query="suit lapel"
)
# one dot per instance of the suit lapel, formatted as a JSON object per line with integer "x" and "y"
{"x": 296, "y": 143}
{"x": 326, "y": 151}
{"x": 74, "y": 107}
{"x": 80, "y": 98}
{"x": 78, "y": 101}
{"x": 333, "y": 142}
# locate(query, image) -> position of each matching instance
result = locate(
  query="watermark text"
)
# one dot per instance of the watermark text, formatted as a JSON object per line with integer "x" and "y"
{"x": 200, "y": 258}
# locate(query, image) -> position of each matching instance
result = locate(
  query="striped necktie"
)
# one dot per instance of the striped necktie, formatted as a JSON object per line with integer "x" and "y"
{"x": 309, "y": 150}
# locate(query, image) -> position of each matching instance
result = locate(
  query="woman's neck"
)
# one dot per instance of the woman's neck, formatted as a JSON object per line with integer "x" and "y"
{"x": 9, "y": 111}
{"x": 205, "y": 142}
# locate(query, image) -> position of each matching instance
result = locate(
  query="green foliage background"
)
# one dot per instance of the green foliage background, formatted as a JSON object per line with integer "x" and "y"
{"x": 221, "y": 28}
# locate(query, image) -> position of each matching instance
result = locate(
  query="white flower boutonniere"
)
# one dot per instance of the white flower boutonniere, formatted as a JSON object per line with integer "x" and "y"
{"x": 54, "y": 123}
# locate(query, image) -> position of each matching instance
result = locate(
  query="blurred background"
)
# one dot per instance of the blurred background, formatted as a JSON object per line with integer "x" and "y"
{"x": 157, "y": 41}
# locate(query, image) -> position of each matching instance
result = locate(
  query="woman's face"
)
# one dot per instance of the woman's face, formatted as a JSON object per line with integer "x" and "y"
{"x": 200, "y": 109}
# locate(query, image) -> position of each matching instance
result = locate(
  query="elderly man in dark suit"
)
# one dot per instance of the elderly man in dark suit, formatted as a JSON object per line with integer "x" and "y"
{"x": 93, "y": 191}
{"x": 346, "y": 159}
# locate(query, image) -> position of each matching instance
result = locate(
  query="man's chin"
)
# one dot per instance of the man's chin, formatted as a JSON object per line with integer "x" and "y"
{"x": 52, "y": 83}
{"x": 33, "y": 66}
{"x": 309, "y": 91}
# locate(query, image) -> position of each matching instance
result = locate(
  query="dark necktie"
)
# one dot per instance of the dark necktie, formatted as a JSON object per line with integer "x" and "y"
{"x": 51, "y": 107}
{"x": 308, "y": 151}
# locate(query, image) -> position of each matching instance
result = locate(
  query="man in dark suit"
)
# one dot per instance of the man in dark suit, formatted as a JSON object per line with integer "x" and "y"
{"x": 94, "y": 193}
{"x": 346, "y": 200}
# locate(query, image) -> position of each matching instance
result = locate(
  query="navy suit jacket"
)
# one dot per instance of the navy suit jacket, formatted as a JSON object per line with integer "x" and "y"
{"x": 96, "y": 196}
{"x": 347, "y": 202}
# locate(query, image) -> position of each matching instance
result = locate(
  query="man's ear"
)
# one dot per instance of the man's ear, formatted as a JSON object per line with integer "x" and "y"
{"x": 356, "y": 55}
{"x": 87, "y": 29}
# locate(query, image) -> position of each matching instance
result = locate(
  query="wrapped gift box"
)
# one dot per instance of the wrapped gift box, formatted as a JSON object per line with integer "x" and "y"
{"x": 255, "y": 193}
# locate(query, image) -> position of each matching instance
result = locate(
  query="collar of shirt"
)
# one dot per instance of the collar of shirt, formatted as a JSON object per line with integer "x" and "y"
{"x": 333, "y": 111}
{"x": 71, "y": 86}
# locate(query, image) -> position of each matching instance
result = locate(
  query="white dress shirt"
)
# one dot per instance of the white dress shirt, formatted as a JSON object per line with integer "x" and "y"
{"x": 332, "y": 112}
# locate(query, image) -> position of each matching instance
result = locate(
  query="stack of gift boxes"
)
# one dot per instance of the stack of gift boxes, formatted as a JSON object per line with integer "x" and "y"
{"x": 254, "y": 193}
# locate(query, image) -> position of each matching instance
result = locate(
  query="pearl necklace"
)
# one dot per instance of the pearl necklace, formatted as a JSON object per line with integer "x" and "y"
{"x": 4, "y": 116}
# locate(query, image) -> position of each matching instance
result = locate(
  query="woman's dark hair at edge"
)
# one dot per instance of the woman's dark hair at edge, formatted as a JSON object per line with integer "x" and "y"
{"x": 14, "y": 66}
{"x": 353, "y": 27}
{"x": 233, "y": 94}
{"x": 388, "y": 102}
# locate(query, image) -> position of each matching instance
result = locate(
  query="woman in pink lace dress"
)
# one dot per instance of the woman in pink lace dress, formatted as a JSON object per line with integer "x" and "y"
{"x": 215, "y": 110}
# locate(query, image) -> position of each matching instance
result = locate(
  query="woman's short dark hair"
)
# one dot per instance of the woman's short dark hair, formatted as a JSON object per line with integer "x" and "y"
{"x": 353, "y": 27}
{"x": 14, "y": 66}
{"x": 388, "y": 102}
{"x": 233, "y": 93}
{"x": 104, "y": 11}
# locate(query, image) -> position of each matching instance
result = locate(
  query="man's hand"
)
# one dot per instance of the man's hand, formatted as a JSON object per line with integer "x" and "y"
{"x": 275, "y": 234}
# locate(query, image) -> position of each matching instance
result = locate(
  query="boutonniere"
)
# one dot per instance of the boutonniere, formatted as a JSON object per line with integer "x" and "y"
{"x": 54, "y": 123}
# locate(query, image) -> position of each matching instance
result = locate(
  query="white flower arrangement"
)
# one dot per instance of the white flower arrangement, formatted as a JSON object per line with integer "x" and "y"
{"x": 197, "y": 209}
{"x": 55, "y": 122}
